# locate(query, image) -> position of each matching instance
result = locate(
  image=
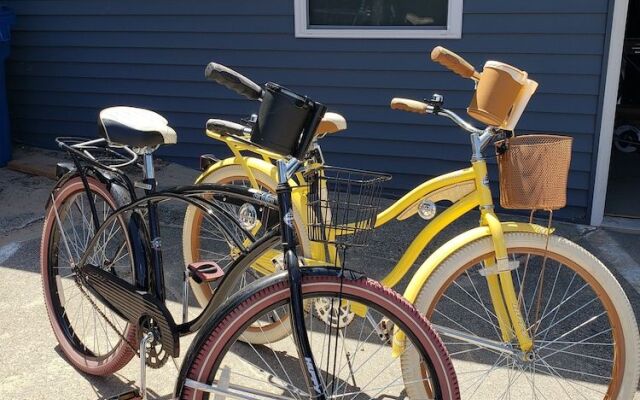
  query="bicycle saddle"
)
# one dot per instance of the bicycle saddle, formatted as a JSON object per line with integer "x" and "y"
{"x": 135, "y": 127}
{"x": 331, "y": 123}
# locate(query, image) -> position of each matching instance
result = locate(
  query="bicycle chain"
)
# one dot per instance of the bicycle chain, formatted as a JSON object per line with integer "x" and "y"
{"x": 133, "y": 348}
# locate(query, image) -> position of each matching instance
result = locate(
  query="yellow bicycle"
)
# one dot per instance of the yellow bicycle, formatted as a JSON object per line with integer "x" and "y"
{"x": 523, "y": 312}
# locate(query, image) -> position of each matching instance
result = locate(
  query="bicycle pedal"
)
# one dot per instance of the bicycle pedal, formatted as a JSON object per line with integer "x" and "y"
{"x": 132, "y": 394}
{"x": 205, "y": 271}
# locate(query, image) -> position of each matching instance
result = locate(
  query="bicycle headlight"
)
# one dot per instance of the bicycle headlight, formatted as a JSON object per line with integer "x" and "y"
{"x": 427, "y": 209}
{"x": 248, "y": 216}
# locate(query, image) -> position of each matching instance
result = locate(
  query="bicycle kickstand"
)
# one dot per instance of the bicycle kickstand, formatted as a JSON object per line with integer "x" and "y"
{"x": 147, "y": 338}
{"x": 141, "y": 393}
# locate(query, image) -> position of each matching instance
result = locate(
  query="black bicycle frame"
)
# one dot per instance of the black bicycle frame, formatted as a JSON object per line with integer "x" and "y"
{"x": 145, "y": 237}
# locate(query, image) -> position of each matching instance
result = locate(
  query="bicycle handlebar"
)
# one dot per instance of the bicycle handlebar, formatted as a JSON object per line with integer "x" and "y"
{"x": 419, "y": 107}
{"x": 223, "y": 127}
{"x": 409, "y": 105}
{"x": 233, "y": 80}
{"x": 459, "y": 121}
{"x": 454, "y": 62}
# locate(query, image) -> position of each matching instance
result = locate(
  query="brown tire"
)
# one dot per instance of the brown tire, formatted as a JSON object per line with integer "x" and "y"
{"x": 220, "y": 338}
{"x": 52, "y": 250}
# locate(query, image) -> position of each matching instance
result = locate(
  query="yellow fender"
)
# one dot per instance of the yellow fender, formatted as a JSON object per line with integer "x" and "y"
{"x": 440, "y": 255}
{"x": 250, "y": 163}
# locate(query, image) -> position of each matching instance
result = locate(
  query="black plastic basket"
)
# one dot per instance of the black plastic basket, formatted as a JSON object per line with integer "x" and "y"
{"x": 282, "y": 119}
{"x": 342, "y": 205}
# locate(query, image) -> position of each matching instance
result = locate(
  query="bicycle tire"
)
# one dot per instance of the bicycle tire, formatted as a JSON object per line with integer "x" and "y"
{"x": 564, "y": 368}
{"x": 77, "y": 352}
{"x": 219, "y": 337}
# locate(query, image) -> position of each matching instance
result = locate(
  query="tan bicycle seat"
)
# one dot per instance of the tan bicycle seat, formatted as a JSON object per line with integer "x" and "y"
{"x": 331, "y": 123}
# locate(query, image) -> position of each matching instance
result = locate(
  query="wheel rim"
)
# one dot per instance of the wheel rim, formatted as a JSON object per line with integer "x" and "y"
{"x": 84, "y": 327}
{"x": 593, "y": 327}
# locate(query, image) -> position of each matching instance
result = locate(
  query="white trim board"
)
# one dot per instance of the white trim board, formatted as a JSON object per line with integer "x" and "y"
{"x": 616, "y": 44}
{"x": 452, "y": 31}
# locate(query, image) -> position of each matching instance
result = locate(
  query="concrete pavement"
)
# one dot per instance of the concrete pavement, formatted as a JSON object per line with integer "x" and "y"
{"x": 31, "y": 365}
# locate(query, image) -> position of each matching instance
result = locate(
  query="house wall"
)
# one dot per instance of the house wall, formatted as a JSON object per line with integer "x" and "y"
{"x": 71, "y": 58}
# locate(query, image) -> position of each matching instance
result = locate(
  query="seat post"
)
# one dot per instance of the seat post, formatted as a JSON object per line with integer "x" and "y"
{"x": 147, "y": 168}
{"x": 149, "y": 186}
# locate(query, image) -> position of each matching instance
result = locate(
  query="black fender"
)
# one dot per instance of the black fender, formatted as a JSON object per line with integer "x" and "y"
{"x": 135, "y": 224}
{"x": 140, "y": 250}
{"x": 65, "y": 171}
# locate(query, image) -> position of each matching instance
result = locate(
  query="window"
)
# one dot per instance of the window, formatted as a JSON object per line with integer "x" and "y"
{"x": 382, "y": 19}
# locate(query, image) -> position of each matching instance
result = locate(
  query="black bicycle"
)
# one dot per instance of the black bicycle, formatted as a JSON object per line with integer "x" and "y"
{"x": 103, "y": 279}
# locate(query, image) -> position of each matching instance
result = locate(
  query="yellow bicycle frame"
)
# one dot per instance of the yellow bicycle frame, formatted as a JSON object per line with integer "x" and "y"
{"x": 467, "y": 189}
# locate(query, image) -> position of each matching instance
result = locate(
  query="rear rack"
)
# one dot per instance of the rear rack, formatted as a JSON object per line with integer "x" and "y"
{"x": 98, "y": 152}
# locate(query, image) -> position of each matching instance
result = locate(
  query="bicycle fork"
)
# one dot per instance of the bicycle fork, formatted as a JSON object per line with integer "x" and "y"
{"x": 310, "y": 370}
{"x": 502, "y": 290}
{"x": 498, "y": 270}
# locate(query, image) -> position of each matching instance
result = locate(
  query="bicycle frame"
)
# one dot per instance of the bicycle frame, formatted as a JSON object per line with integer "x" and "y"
{"x": 151, "y": 281}
{"x": 466, "y": 189}
{"x": 148, "y": 266}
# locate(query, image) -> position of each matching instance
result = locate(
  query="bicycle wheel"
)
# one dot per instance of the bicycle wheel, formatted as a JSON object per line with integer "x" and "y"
{"x": 584, "y": 331}
{"x": 354, "y": 355}
{"x": 201, "y": 241}
{"x": 91, "y": 336}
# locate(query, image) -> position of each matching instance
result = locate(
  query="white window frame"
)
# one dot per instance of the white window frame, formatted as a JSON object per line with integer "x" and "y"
{"x": 452, "y": 31}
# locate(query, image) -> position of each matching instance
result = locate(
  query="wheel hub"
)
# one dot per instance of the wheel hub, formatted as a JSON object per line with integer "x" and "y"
{"x": 329, "y": 312}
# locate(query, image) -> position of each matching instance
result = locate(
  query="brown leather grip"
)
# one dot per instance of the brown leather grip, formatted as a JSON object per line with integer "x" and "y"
{"x": 454, "y": 62}
{"x": 409, "y": 105}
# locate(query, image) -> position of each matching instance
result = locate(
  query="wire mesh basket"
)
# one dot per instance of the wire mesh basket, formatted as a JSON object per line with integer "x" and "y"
{"x": 342, "y": 205}
{"x": 533, "y": 171}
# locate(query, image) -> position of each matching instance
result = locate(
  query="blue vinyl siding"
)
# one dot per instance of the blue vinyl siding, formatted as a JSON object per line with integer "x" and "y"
{"x": 71, "y": 58}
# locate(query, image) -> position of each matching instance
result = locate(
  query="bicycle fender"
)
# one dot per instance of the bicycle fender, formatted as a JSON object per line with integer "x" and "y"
{"x": 252, "y": 162}
{"x": 140, "y": 249}
{"x": 430, "y": 264}
{"x": 455, "y": 244}
{"x": 68, "y": 171}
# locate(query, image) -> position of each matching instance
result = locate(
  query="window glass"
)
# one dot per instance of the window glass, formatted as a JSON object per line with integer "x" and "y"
{"x": 381, "y": 13}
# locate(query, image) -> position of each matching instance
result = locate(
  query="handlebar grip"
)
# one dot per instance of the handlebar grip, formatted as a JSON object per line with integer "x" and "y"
{"x": 409, "y": 105}
{"x": 227, "y": 127}
{"x": 454, "y": 62}
{"x": 233, "y": 80}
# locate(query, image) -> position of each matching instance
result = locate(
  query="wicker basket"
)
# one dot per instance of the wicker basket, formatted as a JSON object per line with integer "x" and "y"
{"x": 534, "y": 171}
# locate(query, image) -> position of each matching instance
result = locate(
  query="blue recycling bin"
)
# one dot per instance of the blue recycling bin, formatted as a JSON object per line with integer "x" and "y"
{"x": 7, "y": 18}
